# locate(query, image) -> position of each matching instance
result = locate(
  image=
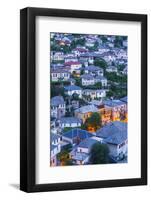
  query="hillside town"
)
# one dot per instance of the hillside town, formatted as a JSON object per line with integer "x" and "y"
{"x": 88, "y": 103}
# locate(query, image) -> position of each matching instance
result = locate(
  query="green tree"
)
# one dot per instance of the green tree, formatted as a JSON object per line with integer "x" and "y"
{"x": 93, "y": 121}
{"x": 101, "y": 63}
{"x": 99, "y": 154}
{"x": 63, "y": 157}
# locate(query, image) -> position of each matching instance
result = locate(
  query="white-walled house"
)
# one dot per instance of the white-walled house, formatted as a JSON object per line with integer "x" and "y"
{"x": 55, "y": 148}
{"x": 74, "y": 66}
{"x": 59, "y": 75}
{"x": 79, "y": 50}
{"x": 69, "y": 122}
{"x": 87, "y": 79}
{"x": 94, "y": 93}
{"x": 101, "y": 79}
{"x": 85, "y": 112}
{"x": 58, "y": 56}
{"x": 94, "y": 70}
{"x": 70, "y": 59}
{"x": 58, "y": 107}
{"x": 114, "y": 134}
{"x": 81, "y": 154}
{"x": 73, "y": 89}
{"x": 111, "y": 69}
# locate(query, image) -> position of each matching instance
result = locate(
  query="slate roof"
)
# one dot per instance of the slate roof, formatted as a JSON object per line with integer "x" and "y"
{"x": 59, "y": 70}
{"x": 114, "y": 132}
{"x": 70, "y": 120}
{"x": 57, "y": 100}
{"x": 96, "y": 102}
{"x": 113, "y": 103}
{"x": 93, "y": 68}
{"x": 72, "y": 87}
{"x": 88, "y": 108}
{"x": 87, "y": 143}
{"x": 117, "y": 138}
{"x": 89, "y": 54}
{"x": 100, "y": 78}
{"x": 124, "y": 99}
{"x": 87, "y": 77}
{"x": 77, "y": 132}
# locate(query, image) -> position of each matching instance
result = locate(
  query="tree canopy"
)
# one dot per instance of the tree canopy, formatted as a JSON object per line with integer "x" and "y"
{"x": 94, "y": 121}
{"x": 99, "y": 154}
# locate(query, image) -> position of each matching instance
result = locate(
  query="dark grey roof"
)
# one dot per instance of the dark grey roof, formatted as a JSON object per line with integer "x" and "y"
{"x": 124, "y": 99}
{"x": 57, "y": 100}
{"x": 72, "y": 87}
{"x": 114, "y": 132}
{"x": 87, "y": 77}
{"x": 117, "y": 138}
{"x": 93, "y": 68}
{"x": 88, "y": 108}
{"x": 87, "y": 143}
{"x": 70, "y": 120}
{"x": 59, "y": 70}
{"x": 113, "y": 103}
{"x": 77, "y": 132}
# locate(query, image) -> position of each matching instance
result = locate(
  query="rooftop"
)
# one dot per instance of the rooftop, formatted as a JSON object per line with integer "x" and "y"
{"x": 113, "y": 103}
{"x": 57, "y": 100}
{"x": 87, "y": 143}
{"x": 86, "y": 109}
{"x": 124, "y": 99}
{"x": 114, "y": 132}
{"x": 77, "y": 132}
{"x": 93, "y": 68}
{"x": 72, "y": 87}
{"x": 87, "y": 76}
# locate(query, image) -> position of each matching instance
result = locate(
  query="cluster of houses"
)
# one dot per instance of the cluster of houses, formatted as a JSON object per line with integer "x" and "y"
{"x": 79, "y": 63}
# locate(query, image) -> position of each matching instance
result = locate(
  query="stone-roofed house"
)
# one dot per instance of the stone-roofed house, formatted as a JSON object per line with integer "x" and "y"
{"x": 74, "y": 66}
{"x": 73, "y": 89}
{"x": 58, "y": 107}
{"x": 118, "y": 108}
{"x": 58, "y": 56}
{"x": 111, "y": 69}
{"x": 76, "y": 135}
{"x": 114, "y": 134}
{"x": 94, "y": 93}
{"x": 81, "y": 154}
{"x": 101, "y": 79}
{"x": 87, "y": 79}
{"x": 93, "y": 70}
{"x": 85, "y": 111}
{"x": 69, "y": 122}
{"x": 59, "y": 74}
{"x": 55, "y": 147}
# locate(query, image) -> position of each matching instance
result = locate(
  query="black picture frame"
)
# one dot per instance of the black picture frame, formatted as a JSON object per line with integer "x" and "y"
{"x": 28, "y": 98}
